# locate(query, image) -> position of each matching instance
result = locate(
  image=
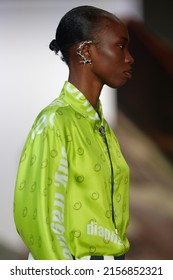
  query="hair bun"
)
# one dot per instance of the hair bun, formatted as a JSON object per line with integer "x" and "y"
{"x": 53, "y": 46}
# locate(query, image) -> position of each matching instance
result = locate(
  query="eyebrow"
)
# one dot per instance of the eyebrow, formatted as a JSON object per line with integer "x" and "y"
{"x": 124, "y": 39}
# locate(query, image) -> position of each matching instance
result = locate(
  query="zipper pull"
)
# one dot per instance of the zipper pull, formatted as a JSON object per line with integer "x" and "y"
{"x": 102, "y": 130}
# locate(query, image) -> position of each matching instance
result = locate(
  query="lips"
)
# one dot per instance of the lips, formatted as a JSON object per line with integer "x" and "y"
{"x": 128, "y": 74}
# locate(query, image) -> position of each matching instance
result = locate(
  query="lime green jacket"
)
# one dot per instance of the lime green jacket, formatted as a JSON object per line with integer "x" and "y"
{"x": 72, "y": 187}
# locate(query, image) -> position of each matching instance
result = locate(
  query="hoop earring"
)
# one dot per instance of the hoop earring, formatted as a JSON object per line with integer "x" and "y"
{"x": 79, "y": 52}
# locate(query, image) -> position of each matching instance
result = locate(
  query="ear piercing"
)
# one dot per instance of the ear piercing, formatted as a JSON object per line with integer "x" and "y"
{"x": 79, "y": 52}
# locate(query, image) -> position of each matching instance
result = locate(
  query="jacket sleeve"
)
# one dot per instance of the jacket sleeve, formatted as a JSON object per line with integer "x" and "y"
{"x": 40, "y": 194}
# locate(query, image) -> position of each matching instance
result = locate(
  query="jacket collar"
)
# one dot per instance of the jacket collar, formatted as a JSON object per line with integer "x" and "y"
{"x": 79, "y": 103}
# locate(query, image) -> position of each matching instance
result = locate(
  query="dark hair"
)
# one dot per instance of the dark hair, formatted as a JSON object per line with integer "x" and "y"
{"x": 77, "y": 25}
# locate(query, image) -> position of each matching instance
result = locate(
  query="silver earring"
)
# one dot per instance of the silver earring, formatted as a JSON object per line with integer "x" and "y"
{"x": 79, "y": 52}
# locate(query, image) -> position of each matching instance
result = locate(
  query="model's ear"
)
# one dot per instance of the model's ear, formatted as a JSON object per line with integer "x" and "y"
{"x": 84, "y": 52}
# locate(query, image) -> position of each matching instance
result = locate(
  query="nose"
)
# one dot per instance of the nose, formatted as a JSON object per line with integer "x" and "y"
{"x": 129, "y": 58}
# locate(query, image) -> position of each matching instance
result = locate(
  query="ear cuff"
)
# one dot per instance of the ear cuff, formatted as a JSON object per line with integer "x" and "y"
{"x": 79, "y": 52}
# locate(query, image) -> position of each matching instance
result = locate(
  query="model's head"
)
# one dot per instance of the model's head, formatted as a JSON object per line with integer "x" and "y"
{"x": 97, "y": 39}
{"x": 80, "y": 24}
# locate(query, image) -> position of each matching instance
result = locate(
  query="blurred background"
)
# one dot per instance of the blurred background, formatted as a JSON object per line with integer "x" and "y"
{"x": 140, "y": 113}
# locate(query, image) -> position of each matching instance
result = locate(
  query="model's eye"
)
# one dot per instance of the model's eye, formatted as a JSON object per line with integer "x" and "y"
{"x": 121, "y": 46}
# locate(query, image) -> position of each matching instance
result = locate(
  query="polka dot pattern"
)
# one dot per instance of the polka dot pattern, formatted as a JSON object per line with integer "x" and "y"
{"x": 33, "y": 160}
{"x": 80, "y": 179}
{"x": 97, "y": 167}
{"x": 65, "y": 191}
{"x": 77, "y": 205}
{"x": 53, "y": 153}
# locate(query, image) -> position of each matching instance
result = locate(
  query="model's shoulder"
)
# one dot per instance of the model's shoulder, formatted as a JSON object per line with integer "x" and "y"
{"x": 54, "y": 114}
{"x": 56, "y": 105}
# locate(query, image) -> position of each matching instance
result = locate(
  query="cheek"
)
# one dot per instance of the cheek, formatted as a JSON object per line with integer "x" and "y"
{"x": 108, "y": 56}
{"x": 111, "y": 60}
{"x": 107, "y": 67}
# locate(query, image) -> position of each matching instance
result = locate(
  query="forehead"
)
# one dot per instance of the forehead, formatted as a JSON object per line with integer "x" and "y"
{"x": 114, "y": 30}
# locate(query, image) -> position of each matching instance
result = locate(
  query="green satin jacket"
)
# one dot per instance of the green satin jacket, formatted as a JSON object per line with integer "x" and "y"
{"x": 72, "y": 188}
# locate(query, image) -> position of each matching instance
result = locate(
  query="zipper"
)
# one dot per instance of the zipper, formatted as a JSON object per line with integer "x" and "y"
{"x": 103, "y": 134}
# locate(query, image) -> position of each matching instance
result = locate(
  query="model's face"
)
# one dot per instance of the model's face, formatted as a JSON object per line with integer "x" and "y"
{"x": 111, "y": 60}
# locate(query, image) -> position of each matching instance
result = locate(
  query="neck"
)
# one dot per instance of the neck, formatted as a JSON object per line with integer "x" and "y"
{"x": 90, "y": 89}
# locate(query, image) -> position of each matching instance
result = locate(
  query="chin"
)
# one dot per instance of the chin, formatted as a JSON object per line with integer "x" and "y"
{"x": 116, "y": 85}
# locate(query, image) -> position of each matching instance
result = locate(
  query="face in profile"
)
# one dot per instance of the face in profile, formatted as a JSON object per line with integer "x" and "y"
{"x": 111, "y": 62}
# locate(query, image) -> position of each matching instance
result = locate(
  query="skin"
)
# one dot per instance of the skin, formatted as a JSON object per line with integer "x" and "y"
{"x": 111, "y": 62}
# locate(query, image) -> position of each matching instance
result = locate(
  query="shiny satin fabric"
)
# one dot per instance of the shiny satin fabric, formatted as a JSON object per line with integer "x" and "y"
{"x": 72, "y": 187}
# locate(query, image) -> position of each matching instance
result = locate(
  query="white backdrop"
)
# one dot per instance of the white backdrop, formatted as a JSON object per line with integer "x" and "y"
{"x": 31, "y": 77}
